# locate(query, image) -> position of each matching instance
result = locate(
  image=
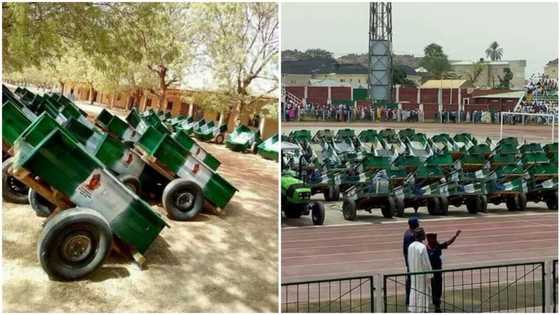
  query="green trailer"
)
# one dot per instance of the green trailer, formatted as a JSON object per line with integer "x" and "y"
{"x": 210, "y": 132}
{"x": 269, "y": 148}
{"x": 242, "y": 139}
{"x": 92, "y": 207}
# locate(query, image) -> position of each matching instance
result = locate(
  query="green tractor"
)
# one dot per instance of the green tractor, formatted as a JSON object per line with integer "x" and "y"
{"x": 296, "y": 200}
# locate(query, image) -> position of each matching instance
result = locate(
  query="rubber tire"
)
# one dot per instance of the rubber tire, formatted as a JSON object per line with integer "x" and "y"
{"x": 522, "y": 202}
{"x": 293, "y": 214}
{"x": 474, "y": 204}
{"x": 168, "y": 199}
{"x": 317, "y": 213}
{"x": 443, "y": 206}
{"x": 131, "y": 183}
{"x": 219, "y": 139}
{"x": 433, "y": 206}
{"x": 349, "y": 209}
{"x": 511, "y": 203}
{"x": 484, "y": 204}
{"x": 51, "y": 237}
{"x": 9, "y": 194}
{"x": 42, "y": 207}
{"x": 399, "y": 207}
{"x": 332, "y": 194}
{"x": 388, "y": 209}
{"x": 552, "y": 201}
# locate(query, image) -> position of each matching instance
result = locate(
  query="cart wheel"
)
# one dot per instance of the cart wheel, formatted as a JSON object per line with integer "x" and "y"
{"x": 182, "y": 199}
{"x": 474, "y": 204}
{"x": 12, "y": 189}
{"x": 399, "y": 207}
{"x": 552, "y": 201}
{"x": 74, "y": 243}
{"x": 484, "y": 203}
{"x": 332, "y": 194}
{"x": 131, "y": 183}
{"x": 522, "y": 202}
{"x": 219, "y": 139}
{"x": 433, "y": 206}
{"x": 511, "y": 202}
{"x": 42, "y": 207}
{"x": 317, "y": 213}
{"x": 349, "y": 209}
{"x": 443, "y": 206}
{"x": 389, "y": 208}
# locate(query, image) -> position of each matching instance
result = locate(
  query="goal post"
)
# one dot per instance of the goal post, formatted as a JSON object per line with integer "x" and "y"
{"x": 550, "y": 118}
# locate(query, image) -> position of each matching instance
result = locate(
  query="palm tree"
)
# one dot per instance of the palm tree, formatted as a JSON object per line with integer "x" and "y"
{"x": 494, "y": 52}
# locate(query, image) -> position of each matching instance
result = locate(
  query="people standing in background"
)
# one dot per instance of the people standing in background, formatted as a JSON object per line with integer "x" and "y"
{"x": 408, "y": 239}
{"x": 420, "y": 284}
{"x": 434, "y": 252}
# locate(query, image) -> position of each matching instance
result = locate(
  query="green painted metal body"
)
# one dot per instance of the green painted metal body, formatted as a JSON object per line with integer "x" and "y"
{"x": 104, "y": 118}
{"x": 14, "y": 122}
{"x": 50, "y": 153}
{"x": 178, "y": 160}
{"x": 241, "y": 139}
{"x": 183, "y": 138}
{"x": 269, "y": 148}
{"x": 294, "y": 190}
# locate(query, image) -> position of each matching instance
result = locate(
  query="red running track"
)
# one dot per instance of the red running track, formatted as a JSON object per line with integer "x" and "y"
{"x": 315, "y": 253}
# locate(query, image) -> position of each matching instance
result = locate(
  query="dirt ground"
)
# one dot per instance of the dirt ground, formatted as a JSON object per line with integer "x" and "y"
{"x": 226, "y": 263}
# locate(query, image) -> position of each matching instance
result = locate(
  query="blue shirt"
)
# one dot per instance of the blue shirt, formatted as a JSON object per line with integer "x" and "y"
{"x": 407, "y": 240}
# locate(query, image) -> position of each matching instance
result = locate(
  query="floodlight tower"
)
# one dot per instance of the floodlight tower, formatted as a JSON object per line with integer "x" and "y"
{"x": 380, "y": 52}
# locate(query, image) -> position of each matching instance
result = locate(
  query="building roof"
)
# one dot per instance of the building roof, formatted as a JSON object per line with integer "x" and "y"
{"x": 321, "y": 66}
{"x": 407, "y": 69}
{"x": 552, "y": 62}
{"x": 444, "y": 84}
{"x": 511, "y": 94}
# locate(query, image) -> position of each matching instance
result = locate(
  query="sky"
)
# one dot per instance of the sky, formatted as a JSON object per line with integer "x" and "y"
{"x": 524, "y": 30}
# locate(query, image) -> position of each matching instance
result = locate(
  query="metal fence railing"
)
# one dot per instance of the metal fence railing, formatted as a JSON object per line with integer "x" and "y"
{"x": 555, "y": 285}
{"x": 343, "y": 295}
{"x": 497, "y": 288}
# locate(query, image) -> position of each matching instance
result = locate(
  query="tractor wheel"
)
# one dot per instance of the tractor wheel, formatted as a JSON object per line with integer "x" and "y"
{"x": 388, "y": 209}
{"x": 12, "y": 189}
{"x": 317, "y": 213}
{"x": 182, "y": 199}
{"x": 443, "y": 206}
{"x": 349, "y": 209}
{"x": 74, "y": 243}
{"x": 483, "y": 203}
{"x": 511, "y": 203}
{"x": 131, "y": 183}
{"x": 42, "y": 207}
{"x": 552, "y": 201}
{"x": 332, "y": 194}
{"x": 474, "y": 204}
{"x": 433, "y": 206}
{"x": 219, "y": 139}
{"x": 399, "y": 207}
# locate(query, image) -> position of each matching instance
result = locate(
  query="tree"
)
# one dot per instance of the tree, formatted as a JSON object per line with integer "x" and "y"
{"x": 242, "y": 48}
{"x": 494, "y": 52}
{"x": 400, "y": 77}
{"x": 318, "y": 53}
{"x": 435, "y": 61}
{"x": 476, "y": 71}
{"x": 505, "y": 81}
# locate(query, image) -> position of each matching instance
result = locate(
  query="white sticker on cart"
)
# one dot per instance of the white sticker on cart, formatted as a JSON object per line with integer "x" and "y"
{"x": 399, "y": 192}
{"x": 92, "y": 142}
{"x": 131, "y": 135}
{"x": 196, "y": 171}
{"x": 469, "y": 188}
{"x": 444, "y": 190}
{"x": 130, "y": 163}
{"x": 103, "y": 192}
{"x": 548, "y": 183}
{"x": 427, "y": 190}
{"x": 198, "y": 152}
{"x": 479, "y": 174}
{"x": 508, "y": 186}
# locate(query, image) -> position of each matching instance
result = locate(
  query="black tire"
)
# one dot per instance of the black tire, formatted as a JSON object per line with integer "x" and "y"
{"x": 293, "y": 213}
{"x": 388, "y": 209}
{"x": 317, "y": 213}
{"x": 219, "y": 139}
{"x": 399, "y": 207}
{"x": 511, "y": 202}
{"x": 61, "y": 244}
{"x": 12, "y": 189}
{"x": 522, "y": 202}
{"x": 484, "y": 204}
{"x": 552, "y": 201}
{"x": 349, "y": 209}
{"x": 42, "y": 207}
{"x": 131, "y": 183}
{"x": 433, "y": 206}
{"x": 443, "y": 206}
{"x": 182, "y": 199}
{"x": 332, "y": 193}
{"x": 474, "y": 204}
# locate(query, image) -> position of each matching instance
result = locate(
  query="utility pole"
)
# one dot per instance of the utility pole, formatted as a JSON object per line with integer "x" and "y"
{"x": 380, "y": 81}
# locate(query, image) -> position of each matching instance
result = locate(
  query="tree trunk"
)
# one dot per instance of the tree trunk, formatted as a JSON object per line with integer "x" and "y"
{"x": 234, "y": 115}
{"x": 91, "y": 92}
{"x": 163, "y": 87}
{"x": 61, "y": 87}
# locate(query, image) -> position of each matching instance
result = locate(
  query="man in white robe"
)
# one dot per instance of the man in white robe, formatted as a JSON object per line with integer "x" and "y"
{"x": 420, "y": 285}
